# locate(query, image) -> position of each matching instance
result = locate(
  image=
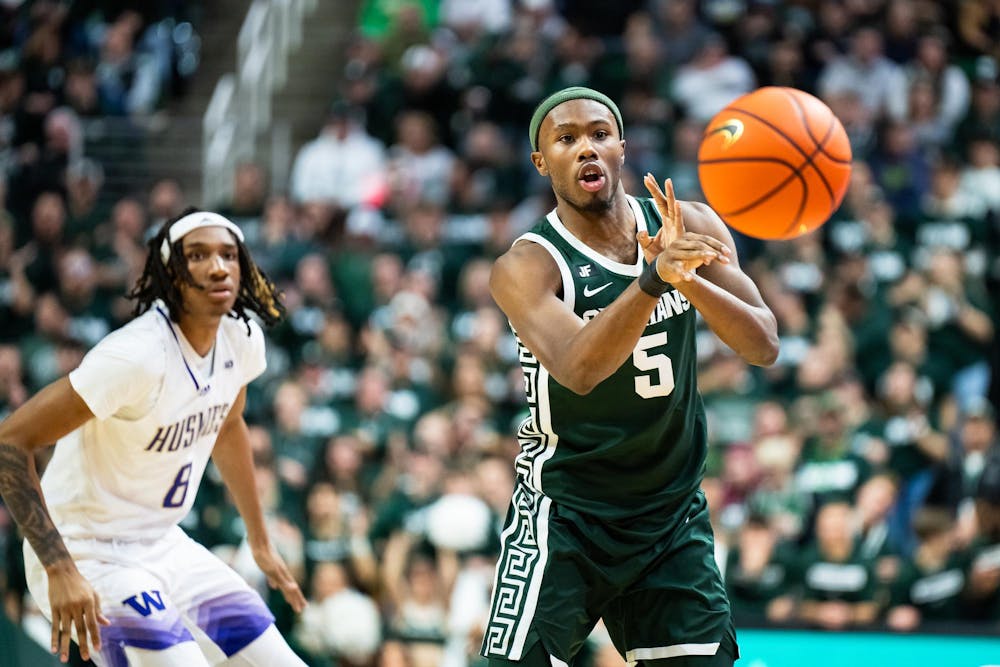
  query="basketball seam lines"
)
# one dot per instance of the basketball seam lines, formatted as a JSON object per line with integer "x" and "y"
{"x": 820, "y": 145}
{"x": 770, "y": 193}
{"x": 793, "y": 144}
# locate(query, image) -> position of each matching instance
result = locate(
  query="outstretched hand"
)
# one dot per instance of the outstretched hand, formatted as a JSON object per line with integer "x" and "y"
{"x": 676, "y": 251}
{"x": 75, "y": 606}
{"x": 279, "y": 576}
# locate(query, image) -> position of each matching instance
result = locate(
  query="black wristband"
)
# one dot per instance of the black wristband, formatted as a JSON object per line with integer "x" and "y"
{"x": 651, "y": 283}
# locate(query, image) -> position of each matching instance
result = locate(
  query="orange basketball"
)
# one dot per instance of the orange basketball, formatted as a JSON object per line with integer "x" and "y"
{"x": 774, "y": 164}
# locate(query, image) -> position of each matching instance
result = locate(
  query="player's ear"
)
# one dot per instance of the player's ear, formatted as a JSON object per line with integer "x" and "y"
{"x": 622, "y": 158}
{"x": 539, "y": 161}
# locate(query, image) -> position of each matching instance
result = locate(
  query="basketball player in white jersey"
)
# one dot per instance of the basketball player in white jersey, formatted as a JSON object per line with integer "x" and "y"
{"x": 135, "y": 426}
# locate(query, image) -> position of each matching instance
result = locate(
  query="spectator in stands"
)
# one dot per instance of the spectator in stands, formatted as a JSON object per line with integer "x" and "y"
{"x": 864, "y": 71}
{"x": 343, "y": 167}
{"x": 166, "y": 199}
{"x": 942, "y": 87}
{"x": 828, "y": 469}
{"x": 84, "y": 206}
{"x": 838, "y": 584}
{"x": 902, "y": 168}
{"x": 130, "y": 82}
{"x": 760, "y": 574}
{"x": 341, "y": 625}
{"x": 977, "y": 25}
{"x": 902, "y": 30}
{"x": 680, "y": 20}
{"x": 419, "y": 165}
{"x": 81, "y": 91}
{"x": 473, "y": 21}
{"x": 982, "y": 175}
{"x": 900, "y": 438}
{"x": 960, "y": 325}
{"x": 872, "y": 507}
{"x": 930, "y": 586}
{"x": 711, "y": 80}
{"x": 957, "y": 478}
{"x": 89, "y": 310}
{"x": 249, "y": 193}
{"x": 40, "y": 256}
{"x": 335, "y": 532}
{"x": 982, "y": 600}
{"x": 983, "y": 118}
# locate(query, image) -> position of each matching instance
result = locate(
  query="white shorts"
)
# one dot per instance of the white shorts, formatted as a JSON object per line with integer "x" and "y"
{"x": 161, "y": 593}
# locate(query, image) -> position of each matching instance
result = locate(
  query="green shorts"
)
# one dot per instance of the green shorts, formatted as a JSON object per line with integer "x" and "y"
{"x": 653, "y": 580}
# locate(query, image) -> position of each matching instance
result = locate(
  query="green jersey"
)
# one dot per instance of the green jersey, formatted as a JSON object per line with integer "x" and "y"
{"x": 637, "y": 442}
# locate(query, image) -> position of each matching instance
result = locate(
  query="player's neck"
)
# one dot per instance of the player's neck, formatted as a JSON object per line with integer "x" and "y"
{"x": 200, "y": 331}
{"x": 610, "y": 231}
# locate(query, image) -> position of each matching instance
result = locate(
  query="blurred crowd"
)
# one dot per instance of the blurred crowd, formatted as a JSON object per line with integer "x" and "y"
{"x": 855, "y": 483}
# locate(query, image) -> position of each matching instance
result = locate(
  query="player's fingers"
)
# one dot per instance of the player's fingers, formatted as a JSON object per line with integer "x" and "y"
{"x": 101, "y": 618}
{"x": 675, "y": 207}
{"x": 669, "y": 196}
{"x": 65, "y": 634}
{"x": 290, "y": 588}
{"x": 643, "y": 238}
{"x": 654, "y": 188}
{"x": 93, "y": 630}
{"x": 82, "y": 626}
{"x": 715, "y": 244}
{"x": 56, "y": 619}
{"x": 293, "y": 595}
{"x": 689, "y": 244}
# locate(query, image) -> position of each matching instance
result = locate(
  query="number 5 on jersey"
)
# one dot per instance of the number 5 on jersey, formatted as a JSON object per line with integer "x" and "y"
{"x": 650, "y": 363}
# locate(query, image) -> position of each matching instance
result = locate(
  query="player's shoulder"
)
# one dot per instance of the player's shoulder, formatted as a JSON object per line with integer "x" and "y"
{"x": 702, "y": 218}
{"x": 527, "y": 265}
{"x": 238, "y": 329}
{"x": 140, "y": 344}
{"x": 242, "y": 334}
{"x": 527, "y": 256}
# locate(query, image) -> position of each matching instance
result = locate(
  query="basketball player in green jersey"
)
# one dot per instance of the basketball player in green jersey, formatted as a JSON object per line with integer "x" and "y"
{"x": 607, "y": 519}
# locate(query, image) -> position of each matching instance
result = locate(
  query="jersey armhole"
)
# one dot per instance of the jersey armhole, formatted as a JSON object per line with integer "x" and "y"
{"x": 568, "y": 289}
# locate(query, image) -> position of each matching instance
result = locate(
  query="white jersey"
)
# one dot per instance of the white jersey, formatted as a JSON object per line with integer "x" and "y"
{"x": 133, "y": 471}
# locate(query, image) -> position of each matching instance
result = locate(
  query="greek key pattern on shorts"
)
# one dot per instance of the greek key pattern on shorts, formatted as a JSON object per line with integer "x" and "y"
{"x": 514, "y": 573}
{"x": 532, "y": 439}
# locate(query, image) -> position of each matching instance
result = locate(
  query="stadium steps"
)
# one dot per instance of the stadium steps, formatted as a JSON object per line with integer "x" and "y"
{"x": 314, "y": 72}
{"x": 170, "y": 146}
{"x": 173, "y": 147}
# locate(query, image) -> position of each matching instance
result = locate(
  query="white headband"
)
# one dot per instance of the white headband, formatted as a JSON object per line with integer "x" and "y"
{"x": 194, "y": 221}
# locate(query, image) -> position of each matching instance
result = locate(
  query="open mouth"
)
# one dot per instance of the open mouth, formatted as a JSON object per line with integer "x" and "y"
{"x": 591, "y": 177}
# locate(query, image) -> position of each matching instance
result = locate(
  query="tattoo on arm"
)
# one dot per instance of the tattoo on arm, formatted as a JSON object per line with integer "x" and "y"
{"x": 23, "y": 497}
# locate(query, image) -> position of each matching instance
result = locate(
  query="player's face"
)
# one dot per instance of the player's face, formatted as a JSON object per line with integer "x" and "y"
{"x": 213, "y": 260}
{"x": 581, "y": 152}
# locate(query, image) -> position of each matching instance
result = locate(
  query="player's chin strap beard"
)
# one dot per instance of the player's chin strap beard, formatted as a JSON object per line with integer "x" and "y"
{"x": 191, "y": 222}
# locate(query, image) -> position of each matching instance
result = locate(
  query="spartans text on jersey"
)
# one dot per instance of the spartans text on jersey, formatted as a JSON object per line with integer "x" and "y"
{"x": 670, "y": 304}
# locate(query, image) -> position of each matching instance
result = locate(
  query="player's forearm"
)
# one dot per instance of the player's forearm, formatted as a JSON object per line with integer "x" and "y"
{"x": 22, "y": 495}
{"x": 751, "y": 331}
{"x": 235, "y": 463}
{"x": 600, "y": 347}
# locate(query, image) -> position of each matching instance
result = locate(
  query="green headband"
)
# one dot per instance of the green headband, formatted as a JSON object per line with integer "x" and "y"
{"x": 565, "y": 95}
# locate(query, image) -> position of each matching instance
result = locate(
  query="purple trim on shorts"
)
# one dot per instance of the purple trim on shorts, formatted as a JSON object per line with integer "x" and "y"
{"x": 233, "y": 620}
{"x": 151, "y": 634}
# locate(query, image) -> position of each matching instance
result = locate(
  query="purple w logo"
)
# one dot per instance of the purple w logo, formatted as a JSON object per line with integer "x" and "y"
{"x": 150, "y": 600}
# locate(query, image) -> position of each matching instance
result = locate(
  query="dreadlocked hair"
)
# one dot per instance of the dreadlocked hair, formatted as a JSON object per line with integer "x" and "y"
{"x": 161, "y": 280}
